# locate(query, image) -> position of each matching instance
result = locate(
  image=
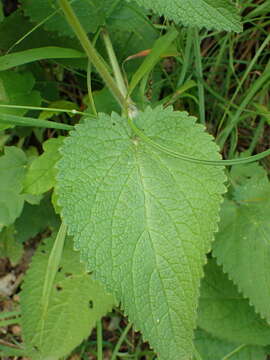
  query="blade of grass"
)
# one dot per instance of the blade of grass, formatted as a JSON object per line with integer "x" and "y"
{"x": 247, "y": 72}
{"x": 48, "y": 52}
{"x": 52, "y": 267}
{"x": 257, "y": 85}
{"x": 120, "y": 342}
{"x": 99, "y": 341}
{"x": 9, "y": 314}
{"x": 160, "y": 46}
{"x": 187, "y": 56}
{"x": 199, "y": 72}
{"x": 16, "y": 120}
{"x": 49, "y": 109}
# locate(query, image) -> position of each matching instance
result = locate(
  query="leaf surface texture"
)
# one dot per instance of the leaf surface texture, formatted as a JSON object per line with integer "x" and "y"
{"x": 143, "y": 220}
{"x": 212, "y": 14}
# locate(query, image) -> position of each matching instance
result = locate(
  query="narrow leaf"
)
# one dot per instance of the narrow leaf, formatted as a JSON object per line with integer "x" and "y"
{"x": 144, "y": 220}
{"x": 27, "y": 121}
{"x": 160, "y": 46}
{"x": 48, "y": 52}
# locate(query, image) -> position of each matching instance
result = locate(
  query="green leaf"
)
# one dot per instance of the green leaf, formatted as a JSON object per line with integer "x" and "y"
{"x": 211, "y": 348}
{"x": 96, "y": 10}
{"x": 13, "y": 120}
{"x": 49, "y": 52}
{"x": 17, "y": 89}
{"x": 75, "y": 304}
{"x": 224, "y": 313}
{"x": 243, "y": 242}
{"x": 9, "y": 247}
{"x": 212, "y": 14}
{"x": 12, "y": 172}
{"x": 40, "y": 176}
{"x": 42, "y": 216}
{"x": 144, "y": 220}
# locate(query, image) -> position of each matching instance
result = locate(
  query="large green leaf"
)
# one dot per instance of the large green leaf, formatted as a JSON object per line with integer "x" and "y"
{"x": 224, "y": 313}
{"x": 17, "y": 89}
{"x": 75, "y": 304}
{"x": 212, "y": 14}
{"x": 40, "y": 176}
{"x": 144, "y": 220}
{"x": 12, "y": 172}
{"x": 211, "y": 348}
{"x": 243, "y": 242}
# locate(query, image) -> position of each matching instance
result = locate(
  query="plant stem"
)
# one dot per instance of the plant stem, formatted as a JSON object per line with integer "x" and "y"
{"x": 89, "y": 89}
{"x": 199, "y": 71}
{"x": 234, "y": 352}
{"x": 91, "y": 52}
{"x": 99, "y": 340}
{"x": 120, "y": 341}
{"x": 68, "y": 111}
{"x": 115, "y": 66}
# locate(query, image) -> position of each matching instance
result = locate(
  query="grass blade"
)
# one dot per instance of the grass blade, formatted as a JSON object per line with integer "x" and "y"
{"x": 47, "y": 52}
{"x": 160, "y": 46}
{"x": 16, "y": 120}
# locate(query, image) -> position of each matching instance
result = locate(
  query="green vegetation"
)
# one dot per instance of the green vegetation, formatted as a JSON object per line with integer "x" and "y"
{"x": 133, "y": 206}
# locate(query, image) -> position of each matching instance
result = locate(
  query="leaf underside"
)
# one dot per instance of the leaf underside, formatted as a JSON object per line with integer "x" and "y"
{"x": 212, "y": 14}
{"x": 143, "y": 220}
{"x": 243, "y": 242}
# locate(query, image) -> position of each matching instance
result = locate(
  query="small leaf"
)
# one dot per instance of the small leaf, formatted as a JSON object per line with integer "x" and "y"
{"x": 9, "y": 247}
{"x": 224, "y": 313}
{"x": 142, "y": 219}
{"x": 243, "y": 243}
{"x": 42, "y": 216}
{"x": 212, "y": 14}
{"x": 75, "y": 304}
{"x": 12, "y": 172}
{"x": 40, "y": 176}
{"x": 17, "y": 89}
